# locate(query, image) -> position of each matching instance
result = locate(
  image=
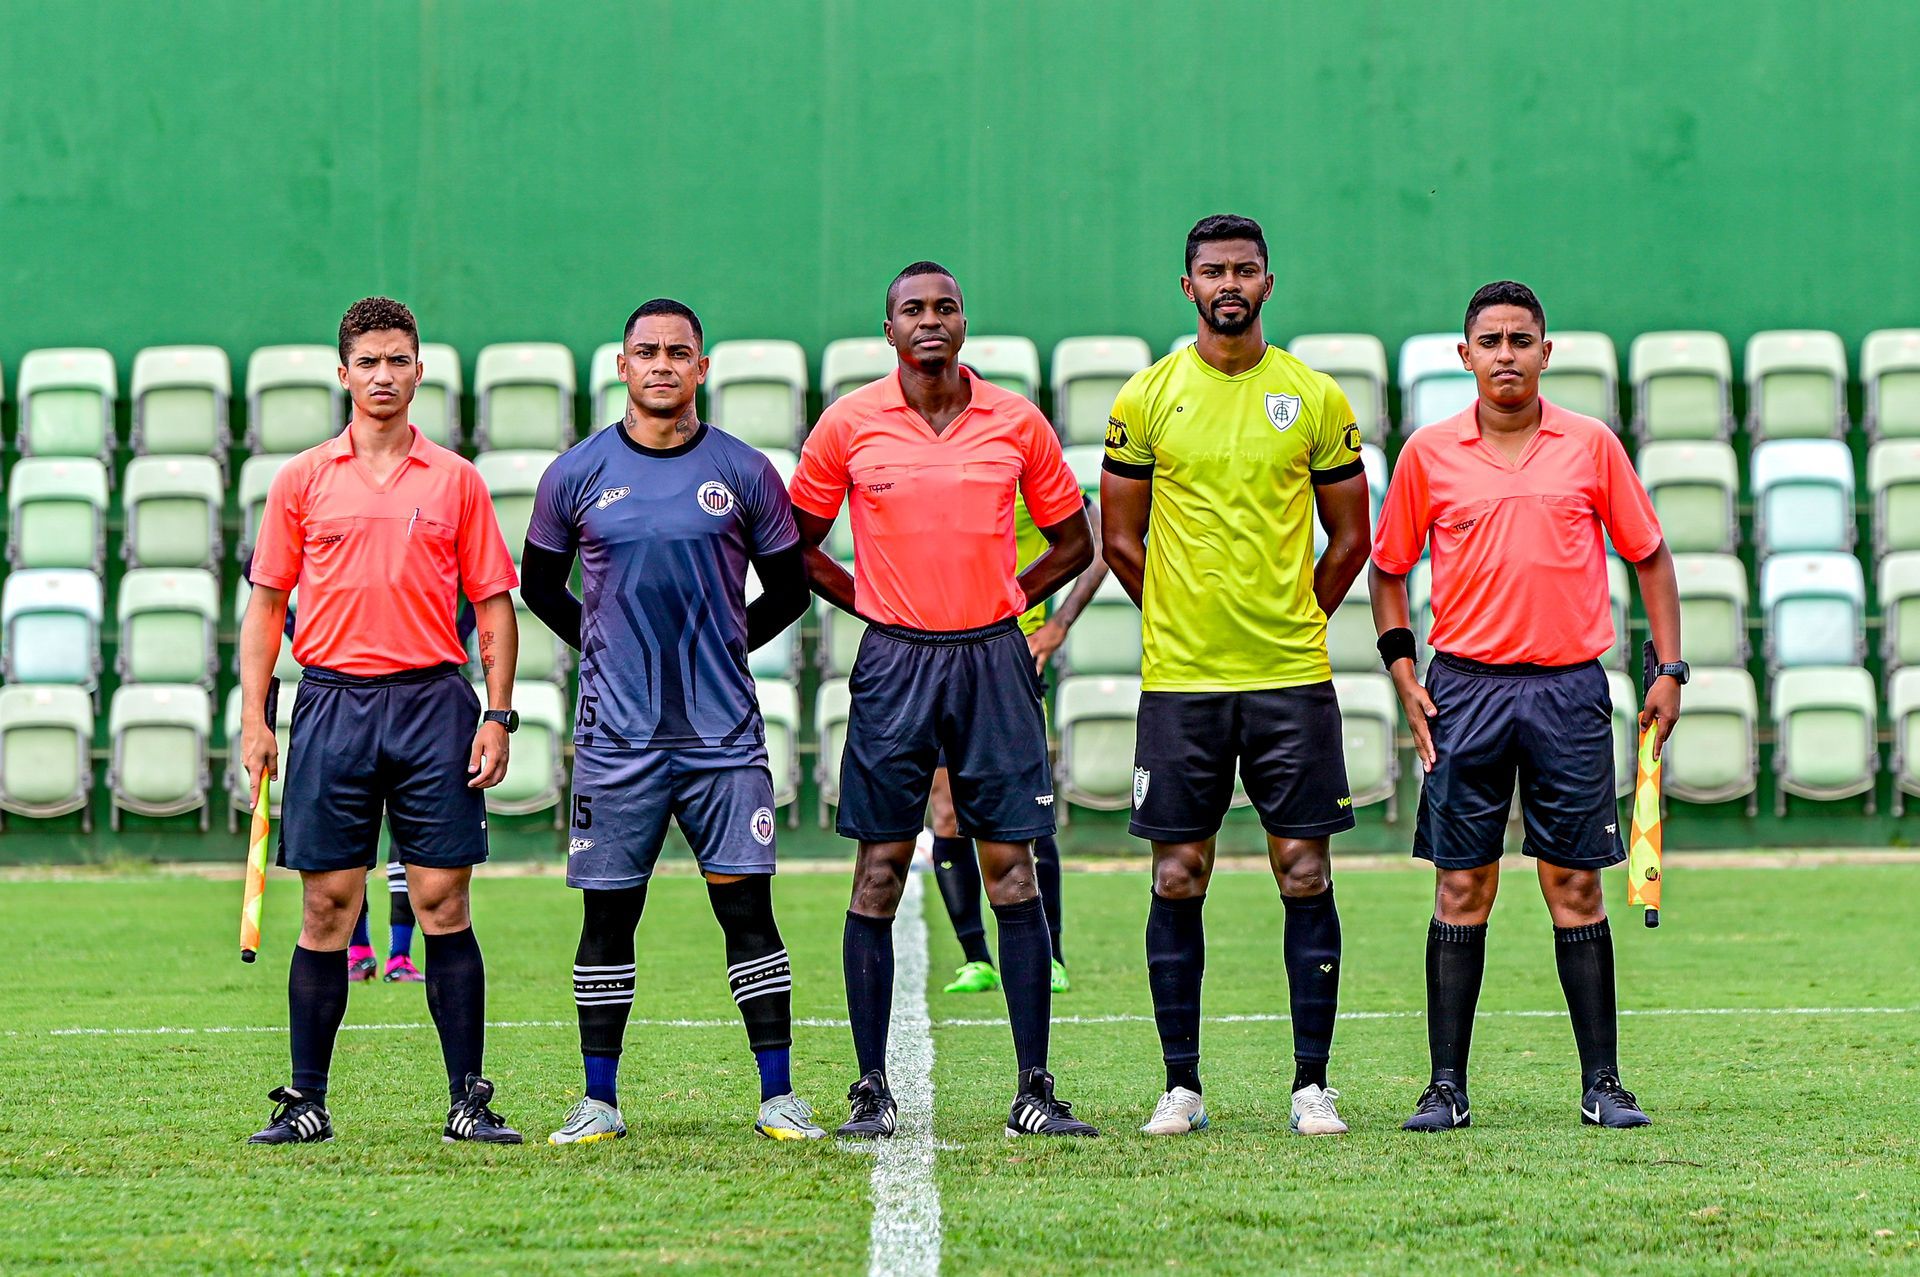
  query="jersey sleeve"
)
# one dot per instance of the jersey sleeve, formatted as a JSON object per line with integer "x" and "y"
{"x": 553, "y": 525}
{"x": 1401, "y": 533}
{"x": 486, "y": 569}
{"x": 769, "y": 510}
{"x": 1624, "y": 506}
{"x": 819, "y": 485}
{"x": 1047, "y": 484}
{"x": 1336, "y": 449}
{"x": 1129, "y": 449}
{"x": 281, "y": 545}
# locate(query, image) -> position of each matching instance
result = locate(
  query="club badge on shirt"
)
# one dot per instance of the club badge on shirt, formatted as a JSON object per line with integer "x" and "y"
{"x": 1283, "y": 410}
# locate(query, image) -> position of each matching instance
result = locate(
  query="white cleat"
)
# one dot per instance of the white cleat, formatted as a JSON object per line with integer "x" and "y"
{"x": 788, "y": 1117}
{"x": 588, "y": 1121}
{"x": 1314, "y": 1114}
{"x": 1179, "y": 1112}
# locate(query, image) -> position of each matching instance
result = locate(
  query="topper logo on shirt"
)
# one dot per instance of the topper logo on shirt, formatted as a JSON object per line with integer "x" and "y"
{"x": 609, "y": 496}
{"x": 715, "y": 498}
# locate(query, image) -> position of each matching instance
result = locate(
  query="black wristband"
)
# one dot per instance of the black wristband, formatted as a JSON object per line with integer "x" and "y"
{"x": 1395, "y": 644}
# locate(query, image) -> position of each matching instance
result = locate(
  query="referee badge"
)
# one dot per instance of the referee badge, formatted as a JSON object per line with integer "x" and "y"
{"x": 1140, "y": 778}
{"x": 1283, "y": 410}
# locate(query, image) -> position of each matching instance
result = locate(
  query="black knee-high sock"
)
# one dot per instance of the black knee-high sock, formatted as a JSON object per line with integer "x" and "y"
{"x": 1046, "y": 871}
{"x": 1585, "y": 958}
{"x": 603, "y": 978}
{"x": 1025, "y": 970}
{"x": 457, "y": 1000}
{"x": 1176, "y": 964}
{"x": 956, "y": 868}
{"x": 866, "y": 954}
{"x": 316, "y": 1003}
{"x": 759, "y": 975}
{"x": 1456, "y": 961}
{"x": 1311, "y": 950}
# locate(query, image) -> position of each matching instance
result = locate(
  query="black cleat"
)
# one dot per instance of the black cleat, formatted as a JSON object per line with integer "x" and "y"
{"x": 471, "y": 1119}
{"x": 1036, "y": 1112}
{"x": 1607, "y": 1103}
{"x": 297, "y": 1120}
{"x": 1442, "y": 1107}
{"x": 874, "y": 1114}
{"x": 363, "y": 971}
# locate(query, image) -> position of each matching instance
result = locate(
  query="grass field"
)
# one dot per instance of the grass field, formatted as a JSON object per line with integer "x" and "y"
{"x": 1783, "y": 1141}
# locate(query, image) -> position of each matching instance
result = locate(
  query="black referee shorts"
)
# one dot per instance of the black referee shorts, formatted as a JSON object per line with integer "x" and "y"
{"x": 1548, "y": 726}
{"x": 397, "y": 744}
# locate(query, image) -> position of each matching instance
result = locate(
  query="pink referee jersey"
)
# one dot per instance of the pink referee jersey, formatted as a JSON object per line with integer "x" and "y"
{"x": 1519, "y": 569}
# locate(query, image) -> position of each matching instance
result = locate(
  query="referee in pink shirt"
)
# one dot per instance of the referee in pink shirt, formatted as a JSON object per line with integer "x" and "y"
{"x": 928, "y": 460}
{"x": 1512, "y": 495}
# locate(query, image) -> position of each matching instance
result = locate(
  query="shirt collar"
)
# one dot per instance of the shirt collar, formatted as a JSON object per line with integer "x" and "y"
{"x": 897, "y": 394}
{"x": 340, "y": 447}
{"x": 1466, "y": 424}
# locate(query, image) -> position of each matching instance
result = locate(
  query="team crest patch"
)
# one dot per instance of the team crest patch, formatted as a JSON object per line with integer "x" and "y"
{"x": 1140, "y": 778}
{"x": 763, "y": 826}
{"x": 1283, "y": 410}
{"x": 610, "y": 496}
{"x": 715, "y": 498}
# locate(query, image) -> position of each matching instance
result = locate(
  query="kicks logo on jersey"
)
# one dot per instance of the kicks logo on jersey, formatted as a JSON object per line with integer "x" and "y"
{"x": 609, "y": 496}
{"x": 763, "y": 826}
{"x": 1140, "y": 778}
{"x": 1343, "y": 802}
{"x": 715, "y": 498}
{"x": 1283, "y": 410}
{"x": 579, "y": 844}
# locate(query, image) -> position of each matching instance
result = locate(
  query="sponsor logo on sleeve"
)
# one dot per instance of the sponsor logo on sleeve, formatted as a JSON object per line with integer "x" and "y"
{"x": 1283, "y": 410}
{"x": 609, "y": 496}
{"x": 715, "y": 498}
{"x": 1116, "y": 433}
{"x": 763, "y": 826}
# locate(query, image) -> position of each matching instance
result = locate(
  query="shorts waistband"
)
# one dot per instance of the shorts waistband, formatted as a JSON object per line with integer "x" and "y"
{"x": 334, "y": 678}
{"x": 1466, "y": 666}
{"x": 947, "y": 638}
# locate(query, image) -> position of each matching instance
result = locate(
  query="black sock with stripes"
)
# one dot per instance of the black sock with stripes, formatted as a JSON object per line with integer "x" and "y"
{"x": 1027, "y": 976}
{"x": 1176, "y": 964}
{"x": 866, "y": 955}
{"x": 1311, "y": 951}
{"x": 400, "y": 920}
{"x": 1046, "y": 872}
{"x": 457, "y": 1000}
{"x": 603, "y": 982}
{"x": 758, "y": 975}
{"x": 1584, "y": 956}
{"x": 1456, "y": 962}
{"x": 316, "y": 1003}
{"x": 956, "y": 867}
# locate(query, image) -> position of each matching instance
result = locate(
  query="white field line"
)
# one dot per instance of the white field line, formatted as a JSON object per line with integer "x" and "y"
{"x": 905, "y": 1237}
{"x": 981, "y": 1023}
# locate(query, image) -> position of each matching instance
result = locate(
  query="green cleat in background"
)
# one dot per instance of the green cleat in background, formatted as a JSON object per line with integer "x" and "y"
{"x": 974, "y": 977}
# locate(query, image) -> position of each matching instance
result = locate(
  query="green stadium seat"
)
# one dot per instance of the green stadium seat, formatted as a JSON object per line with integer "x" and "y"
{"x": 1713, "y": 755}
{"x": 606, "y": 392}
{"x": 160, "y": 734}
{"x": 66, "y": 403}
{"x": 181, "y": 401}
{"x": 779, "y": 656}
{"x": 1903, "y": 716}
{"x": 1087, "y": 375}
{"x": 1899, "y": 599}
{"x": 1695, "y": 487}
{"x": 840, "y": 634}
{"x": 256, "y": 478}
{"x": 1682, "y": 385}
{"x": 852, "y": 362}
{"x": 1373, "y": 460}
{"x": 757, "y": 391}
{"x": 1890, "y": 374}
{"x": 780, "y": 710}
{"x": 784, "y": 461}
{"x": 173, "y": 509}
{"x": 1106, "y": 637}
{"x": 1086, "y": 460}
{"x": 1796, "y": 385}
{"x": 1369, "y": 716}
{"x": 1350, "y": 632}
{"x": 523, "y": 397}
{"x": 1584, "y": 375}
{"x": 513, "y": 478}
{"x": 285, "y": 668}
{"x": 1713, "y": 608}
{"x": 1620, "y": 598}
{"x": 1181, "y": 342}
{"x": 1815, "y": 606}
{"x": 239, "y": 796}
{"x": 1893, "y": 478}
{"x": 294, "y": 399}
{"x": 1433, "y": 384}
{"x": 1011, "y": 363}
{"x": 46, "y": 734}
{"x": 536, "y": 768}
{"x": 1626, "y": 731}
{"x": 1420, "y": 611}
{"x": 436, "y": 404}
{"x": 1824, "y": 744}
{"x": 1359, "y": 363}
{"x": 58, "y": 513}
{"x": 831, "y": 705}
{"x": 50, "y": 620}
{"x": 1802, "y": 496}
{"x": 1095, "y": 715}
{"x": 168, "y": 623}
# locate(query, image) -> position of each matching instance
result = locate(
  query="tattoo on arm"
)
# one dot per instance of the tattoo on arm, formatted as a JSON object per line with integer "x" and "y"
{"x": 486, "y": 650}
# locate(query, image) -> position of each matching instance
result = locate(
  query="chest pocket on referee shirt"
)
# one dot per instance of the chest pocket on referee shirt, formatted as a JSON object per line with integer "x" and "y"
{"x": 385, "y": 552}
{"x": 970, "y": 498}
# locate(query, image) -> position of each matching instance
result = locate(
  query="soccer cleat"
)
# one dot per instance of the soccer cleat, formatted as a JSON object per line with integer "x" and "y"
{"x": 974, "y": 977}
{"x": 1179, "y": 1112}
{"x": 362, "y": 970}
{"x": 1036, "y": 1112}
{"x": 400, "y": 970}
{"x": 1313, "y": 1112}
{"x": 1060, "y": 982}
{"x": 788, "y": 1117}
{"x": 1607, "y": 1103}
{"x": 1442, "y": 1107}
{"x": 588, "y": 1121}
{"x": 874, "y": 1114}
{"x": 471, "y": 1119}
{"x": 296, "y": 1120}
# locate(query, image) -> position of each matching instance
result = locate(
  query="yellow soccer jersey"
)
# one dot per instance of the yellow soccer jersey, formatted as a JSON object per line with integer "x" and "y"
{"x": 1229, "y": 605}
{"x": 1029, "y": 544}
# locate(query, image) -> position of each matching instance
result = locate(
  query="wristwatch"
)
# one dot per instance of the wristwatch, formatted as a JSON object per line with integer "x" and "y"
{"x": 510, "y": 718}
{"x": 1676, "y": 670}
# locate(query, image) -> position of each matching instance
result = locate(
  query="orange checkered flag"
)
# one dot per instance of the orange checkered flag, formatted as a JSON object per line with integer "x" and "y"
{"x": 1643, "y": 852}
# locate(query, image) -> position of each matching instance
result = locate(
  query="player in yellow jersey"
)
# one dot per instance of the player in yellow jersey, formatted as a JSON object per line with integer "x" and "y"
{"x": 1218, "y": 459}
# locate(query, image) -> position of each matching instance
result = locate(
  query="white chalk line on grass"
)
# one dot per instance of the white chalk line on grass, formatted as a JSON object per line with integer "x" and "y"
{"x": 905, "y": 1237}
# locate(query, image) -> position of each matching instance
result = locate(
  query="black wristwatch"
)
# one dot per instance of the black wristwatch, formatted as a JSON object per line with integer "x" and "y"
{"x": 1676, "y": 670}
{"x": 510, "y": 718}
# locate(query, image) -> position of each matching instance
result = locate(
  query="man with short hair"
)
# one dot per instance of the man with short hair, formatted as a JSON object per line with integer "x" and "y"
{"x": 1511, "y": 495}
{"x": 381, "y": 529}
{"x": 1219, "y": 457}
{"x": 666, "y": 513}
{"x": 929, "y": 460}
